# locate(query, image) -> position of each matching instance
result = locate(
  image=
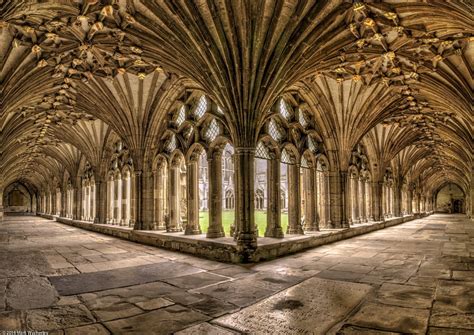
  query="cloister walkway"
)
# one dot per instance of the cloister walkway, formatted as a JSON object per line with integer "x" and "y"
{"x": 417, "y": 277}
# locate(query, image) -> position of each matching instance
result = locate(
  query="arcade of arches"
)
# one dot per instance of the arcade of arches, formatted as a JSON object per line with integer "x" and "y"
{"x": 239, "y": 119}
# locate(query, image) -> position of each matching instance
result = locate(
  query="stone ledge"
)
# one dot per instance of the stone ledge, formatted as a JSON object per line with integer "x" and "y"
{"x": 225, "y": 249}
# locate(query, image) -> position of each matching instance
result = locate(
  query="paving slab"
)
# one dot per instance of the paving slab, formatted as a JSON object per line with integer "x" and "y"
{"x": 196, "y": 280}
{"x": 104, "y": 280}
{"x": 58, "y": 317}
{"x": 405, "y": 295}
{"x": 161, "y": 321}
{"x": 205, "y": 329}
{"x": 29, "y": 293}
{"x": 311, "y": 307}
{"x": 95, "y": 329}
{"x": 391, "y": 318}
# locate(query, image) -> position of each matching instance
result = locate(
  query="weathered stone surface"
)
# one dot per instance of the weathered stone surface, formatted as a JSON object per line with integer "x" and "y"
{"x": 405, "y": 295}
{"x": 95, "y": 329}
{"x": 20, "y": 263}
{"x": 391, "y": 318}
{"x": 196, "y": 280}
{"x": 139, "y": 293}
{"x": 311, "y": 307}
{"x": 214, "y": 307}
{"x": 29, "y": 293}
{"x": 241, "y": 292}
{"x": 154, "y": 304}
{"x": 205, "y": 329}
{"x": 103, "y": 280}
{"x": 116, "y": 311}
{"x": 161, "y": 321}
{"x": 58, "y": 317}
{"x": 448, "y": 331}
{"x": 12, "y": 320}
{"x": 353, "y": 330}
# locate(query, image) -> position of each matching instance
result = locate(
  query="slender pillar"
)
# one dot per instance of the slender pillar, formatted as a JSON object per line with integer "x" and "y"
{"x": 192, "y": 188}
{"x": 100, "y": 191}
{"x": 273, "y": 228}
{"x": 327, "y": 200}
{"x": 355, "y": 200}
{"x": 160, "y": 199}
{"x": 125, "y": 201}
{"x": 214, "y": 163}
{"x": 311, "y": 195}
{"x": 64, "y": 198}
{"x": 174, "y": 219}
{"x": 138, "y": 197}
{"x": 294, "y": 206}
{"x": 377, "y": 201}
{"x": 246, "y": 234}
{"x": 362, "y": 206}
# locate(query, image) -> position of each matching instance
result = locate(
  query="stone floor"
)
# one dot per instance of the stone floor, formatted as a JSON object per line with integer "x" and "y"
{"x": 417, "y": 277}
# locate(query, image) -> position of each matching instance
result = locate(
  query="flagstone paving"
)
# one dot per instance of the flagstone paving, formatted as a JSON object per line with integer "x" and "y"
{"x": 417, "y": 277}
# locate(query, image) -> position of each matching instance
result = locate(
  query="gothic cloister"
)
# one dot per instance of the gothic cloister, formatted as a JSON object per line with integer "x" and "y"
{"x": 247, "y": 135}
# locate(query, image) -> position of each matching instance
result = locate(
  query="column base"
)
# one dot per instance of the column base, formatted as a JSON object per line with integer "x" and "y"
{"x": 192, "y": 231}
{"x": 215, "y": 233}
{"x": 174, "y": 230}
{"x": 276, "y": 232}
{"x": 295, "y": 231}
{"x": 246, "y": 246}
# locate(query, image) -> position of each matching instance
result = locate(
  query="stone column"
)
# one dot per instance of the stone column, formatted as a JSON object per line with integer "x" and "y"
{"x": 174, "y": 199}
{"x": 77, "y": 205}
{"x": 397, "y": 201}
{"x": 246, "y": 234}
{"x": 1, "y": 205}
{"x": 273, "y": 228}
{"x": 62, "y": 211}
{"x": 311, "y": 195}
{"x": 294, "y": 200}
{"x": 138, "y": 197}
{"x": 362, "y": 206}
{"x": 355, "y": 200}
{"x": 154, "y": 201}
{"x": 123, "y": 209}
{"x": 192, "y": 188}
{"x": 327, "y": 200}
{"x": 160, "y": 199}
{"x": 53, "y": 203}
{"x": 214, "y": 163}
{"x": 100, "y": 191}
{"x": 133, "y": 200}
{"x": 146, "y": 199}
{"x": 409, "y": 202}
{"x": 377, "y": 201}
{"x": 117, "y": 201}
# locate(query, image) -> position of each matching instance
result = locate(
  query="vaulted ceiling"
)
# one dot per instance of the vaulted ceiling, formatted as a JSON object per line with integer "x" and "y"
{"x": 395, "y": 76}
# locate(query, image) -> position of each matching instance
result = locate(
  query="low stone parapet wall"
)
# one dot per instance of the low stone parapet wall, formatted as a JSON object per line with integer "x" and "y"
{"x": 225, "y": 249}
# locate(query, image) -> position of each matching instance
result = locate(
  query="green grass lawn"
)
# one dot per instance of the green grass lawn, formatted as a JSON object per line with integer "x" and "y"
{"x": 228, "y": 219}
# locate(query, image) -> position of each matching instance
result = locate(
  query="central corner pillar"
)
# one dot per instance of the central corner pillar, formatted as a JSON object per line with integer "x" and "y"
{"x": 192, "y": 188}
{"x": 246, "y": 234}
{"x": 214, "y": 164}
{"x": 294, "y": 202}
{"x": 274, "y": 202}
